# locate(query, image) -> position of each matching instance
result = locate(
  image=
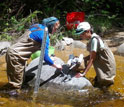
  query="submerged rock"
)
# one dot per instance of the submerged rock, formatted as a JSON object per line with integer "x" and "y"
{"x": 51, "y": 77}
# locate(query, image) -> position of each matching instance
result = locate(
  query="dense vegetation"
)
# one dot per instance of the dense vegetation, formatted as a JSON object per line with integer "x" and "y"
{"x": 17, "y": 15}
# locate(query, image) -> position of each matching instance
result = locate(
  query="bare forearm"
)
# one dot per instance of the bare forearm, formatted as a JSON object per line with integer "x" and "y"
{"x": 86, "y": 60}
{"x": 88, "y": 66}
{"x": 91, "y": 57}
{"x": 57, "y": 66}
{"x": 87, "y": 57}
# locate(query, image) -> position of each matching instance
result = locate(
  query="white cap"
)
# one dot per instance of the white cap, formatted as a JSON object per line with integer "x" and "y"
{"x": 82, "y": 27}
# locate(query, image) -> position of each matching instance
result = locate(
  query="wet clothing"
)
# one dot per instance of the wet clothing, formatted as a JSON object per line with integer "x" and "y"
{"x": 104, "y": 63}
{"x": 19, "y": 53}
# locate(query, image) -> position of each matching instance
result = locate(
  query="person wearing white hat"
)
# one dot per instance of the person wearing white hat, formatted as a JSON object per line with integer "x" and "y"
{"x": 100, "y": 56}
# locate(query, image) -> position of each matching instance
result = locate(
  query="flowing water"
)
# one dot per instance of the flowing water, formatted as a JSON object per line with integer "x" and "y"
{"x": 113, "y": 97}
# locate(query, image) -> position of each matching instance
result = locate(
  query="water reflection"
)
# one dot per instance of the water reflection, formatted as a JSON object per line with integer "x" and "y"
{"x": 77, "y": 99}
{"x": 63, "y": 97}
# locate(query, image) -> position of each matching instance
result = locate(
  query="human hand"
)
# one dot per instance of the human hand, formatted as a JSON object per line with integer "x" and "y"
{"x": 58, "y": 66}
{"x": 78, "y": 75}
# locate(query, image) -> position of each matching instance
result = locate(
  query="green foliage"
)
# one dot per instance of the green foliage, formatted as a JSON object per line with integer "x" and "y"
{"x": 55, "y": 37}
{"x": 16, "y": 15}
{"x": 21, "y": 24}
{"x": 71, "y": 34}
{"x": 63, "y": 32}
{"x": 15, "y": 25}
{"x": 100, "y": 24}
{"x": 5, "y": 37}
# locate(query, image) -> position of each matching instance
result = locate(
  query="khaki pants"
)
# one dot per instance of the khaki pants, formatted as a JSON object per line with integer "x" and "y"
{"x": 16, "y": 58}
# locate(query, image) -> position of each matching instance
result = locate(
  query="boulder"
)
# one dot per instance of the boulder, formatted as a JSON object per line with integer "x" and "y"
{"x": 3, "y": 47}
{"x": 51, "y": 77}
{"x": 78, "y": 44}
{"x": 60, "y": 45}
{"x": 120, "y": 49}
{"x": 67, "y": 40}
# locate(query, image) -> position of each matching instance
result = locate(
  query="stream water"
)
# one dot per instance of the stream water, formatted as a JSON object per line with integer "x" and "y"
{"x": 113, "y": 97}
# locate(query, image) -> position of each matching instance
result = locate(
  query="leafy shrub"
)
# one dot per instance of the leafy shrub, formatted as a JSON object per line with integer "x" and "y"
{"x": 15, "y": 26}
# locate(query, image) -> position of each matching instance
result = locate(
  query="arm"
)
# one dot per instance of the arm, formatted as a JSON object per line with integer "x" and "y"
{"x": 86, "y": 59}
{"x": 50, "y": 62}
{"x": 92, "y": 58}
{"x": 47, "y": 57}
{"x": 57, "y": 66}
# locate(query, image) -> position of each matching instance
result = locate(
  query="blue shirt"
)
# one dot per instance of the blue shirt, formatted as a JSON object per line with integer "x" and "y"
{"x": 38, "y": 36}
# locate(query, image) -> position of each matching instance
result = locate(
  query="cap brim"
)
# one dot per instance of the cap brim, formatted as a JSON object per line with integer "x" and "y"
{"x": 78, "y": 32}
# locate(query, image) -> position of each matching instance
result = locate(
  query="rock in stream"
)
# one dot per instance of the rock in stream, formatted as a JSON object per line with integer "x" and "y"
{"x": 51, "y": 77}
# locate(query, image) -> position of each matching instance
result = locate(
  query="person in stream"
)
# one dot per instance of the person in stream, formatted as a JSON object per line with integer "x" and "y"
{"x": 100, "y": 56}
{"x": 30, "y": 41}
